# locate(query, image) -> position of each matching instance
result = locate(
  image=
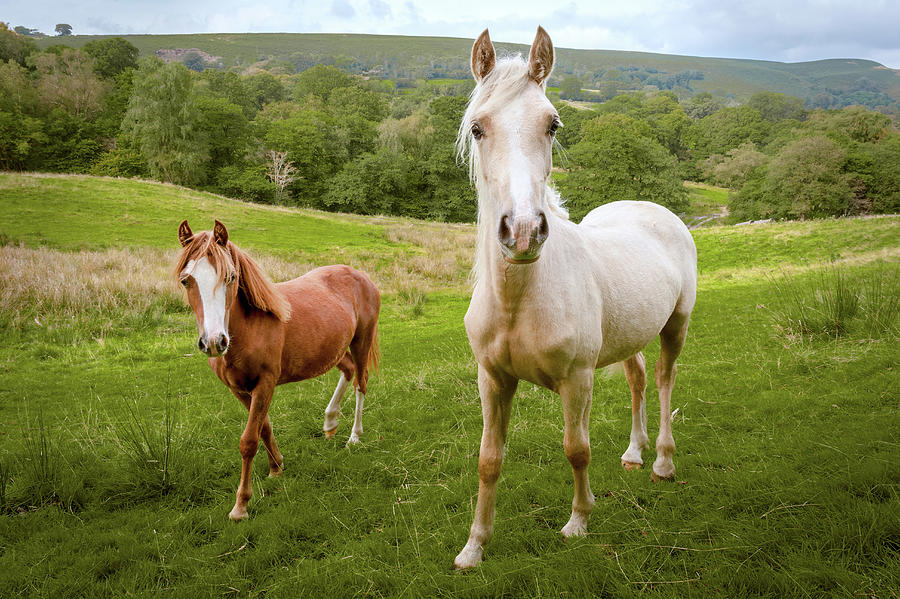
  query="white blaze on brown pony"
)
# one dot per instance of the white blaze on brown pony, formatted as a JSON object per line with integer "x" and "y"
{"x": 259, "y": 335}
{"x": 553, "y": 301}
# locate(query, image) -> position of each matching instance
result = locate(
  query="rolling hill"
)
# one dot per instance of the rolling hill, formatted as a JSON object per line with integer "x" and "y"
{"x": 822, "y": 82}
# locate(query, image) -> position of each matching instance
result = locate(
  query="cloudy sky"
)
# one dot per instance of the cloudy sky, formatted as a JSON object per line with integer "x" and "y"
{"x": 783, "y": 30}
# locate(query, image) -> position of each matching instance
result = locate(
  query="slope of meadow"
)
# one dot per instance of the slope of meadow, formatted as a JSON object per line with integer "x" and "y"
{"x": 118, "y": 446}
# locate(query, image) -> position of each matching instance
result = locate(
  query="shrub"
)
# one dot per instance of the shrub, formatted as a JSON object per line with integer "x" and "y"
{"x": 120, "y": 162}
{"x": 248, "y": 183}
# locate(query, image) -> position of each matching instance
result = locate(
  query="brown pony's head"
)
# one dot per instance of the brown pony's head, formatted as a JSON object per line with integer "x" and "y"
{"x": 214, "y": 272}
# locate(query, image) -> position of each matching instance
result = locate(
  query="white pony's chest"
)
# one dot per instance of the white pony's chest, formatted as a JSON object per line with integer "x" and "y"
{"x": 540, "y": 346}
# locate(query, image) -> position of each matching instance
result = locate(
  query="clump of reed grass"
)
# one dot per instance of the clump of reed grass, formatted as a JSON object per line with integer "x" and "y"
{"x": 836, "y": 302}
{"x": 4, "y": 481}
{"x": 414, "y": 298}
{"x": 149, "y": 446}
{"x": 39, "y": 468}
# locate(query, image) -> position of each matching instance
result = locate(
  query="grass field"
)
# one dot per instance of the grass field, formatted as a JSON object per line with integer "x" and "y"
{"x": 118, "y": 446}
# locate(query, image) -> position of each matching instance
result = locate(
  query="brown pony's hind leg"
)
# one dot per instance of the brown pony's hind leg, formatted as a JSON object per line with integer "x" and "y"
{"x": 276, "y": 460}
{"x": 636, "y": 374}
{"x": 364, "y": 349}
{"x": 348, "y": 369}
{"x": 671, "y": 341}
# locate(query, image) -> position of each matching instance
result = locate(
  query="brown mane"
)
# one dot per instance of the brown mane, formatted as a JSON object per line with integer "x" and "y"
{"x": 254, "y": 286}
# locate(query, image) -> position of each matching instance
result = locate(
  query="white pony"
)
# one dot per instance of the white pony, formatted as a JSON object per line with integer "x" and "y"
{"x": 553, "y": 301}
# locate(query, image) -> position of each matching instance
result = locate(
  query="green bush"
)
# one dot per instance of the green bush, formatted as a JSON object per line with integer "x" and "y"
{"x": 248, "y": 183}
{"x": 120, "y": 162}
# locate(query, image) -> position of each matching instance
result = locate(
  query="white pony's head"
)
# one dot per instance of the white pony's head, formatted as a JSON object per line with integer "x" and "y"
{"x": 508, "y": 131}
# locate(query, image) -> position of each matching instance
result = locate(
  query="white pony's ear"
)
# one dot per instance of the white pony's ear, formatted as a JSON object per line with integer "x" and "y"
{"x": 220, "y": 233}
{"x": 483, "y": 56}
{"x": 540, "y": 58}
{"x": 184, "y": 233}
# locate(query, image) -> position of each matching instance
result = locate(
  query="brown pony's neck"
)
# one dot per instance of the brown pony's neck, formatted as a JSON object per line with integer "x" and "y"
{"x": 255, "y": 291}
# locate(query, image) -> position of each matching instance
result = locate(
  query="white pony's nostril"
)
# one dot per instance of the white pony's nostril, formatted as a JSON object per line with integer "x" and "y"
{"x": 504, "y": 231}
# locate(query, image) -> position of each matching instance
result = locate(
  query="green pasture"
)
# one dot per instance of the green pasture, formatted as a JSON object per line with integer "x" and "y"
{"x": 73, "y": 212}
{"x": 119, "y": 459}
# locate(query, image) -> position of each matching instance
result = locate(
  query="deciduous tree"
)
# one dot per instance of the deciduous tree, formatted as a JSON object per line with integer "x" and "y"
{"x": 162, "y": 121}
{"x": 614, "y": 160}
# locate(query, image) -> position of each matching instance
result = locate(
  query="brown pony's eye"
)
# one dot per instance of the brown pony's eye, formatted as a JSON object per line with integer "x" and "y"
{"x": 477, "y": 130}
{"x": 229, "y": 279}
{"x": 184, "y": 282}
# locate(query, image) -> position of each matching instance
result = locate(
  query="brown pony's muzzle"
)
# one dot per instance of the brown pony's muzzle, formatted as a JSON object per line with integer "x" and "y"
{"x": 521, "y": 238}
{"x": 215, "y": 348}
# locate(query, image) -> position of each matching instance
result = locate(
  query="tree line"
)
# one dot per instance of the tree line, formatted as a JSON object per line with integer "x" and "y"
{"x": 330, "y": 139}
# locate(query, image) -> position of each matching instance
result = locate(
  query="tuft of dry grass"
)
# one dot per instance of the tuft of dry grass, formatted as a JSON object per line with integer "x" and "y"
{"x": 35, "y": 282}
{"x": 42, "y": 280}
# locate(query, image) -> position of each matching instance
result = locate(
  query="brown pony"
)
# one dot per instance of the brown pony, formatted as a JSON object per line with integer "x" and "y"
{"x": 259, "y": 335}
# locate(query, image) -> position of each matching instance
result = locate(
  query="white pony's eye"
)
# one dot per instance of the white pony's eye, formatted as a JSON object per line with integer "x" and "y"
{"x": 554, "y": 125}
{"x": 477, "y": 130}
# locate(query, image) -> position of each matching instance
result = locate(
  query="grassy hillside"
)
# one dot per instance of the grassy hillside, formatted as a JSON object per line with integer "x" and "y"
{"x": 449, "y": 57}
{"x": 787, "y": 441}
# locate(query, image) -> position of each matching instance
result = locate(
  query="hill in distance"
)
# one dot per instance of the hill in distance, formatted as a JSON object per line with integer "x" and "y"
{"x": 824, "y": 83}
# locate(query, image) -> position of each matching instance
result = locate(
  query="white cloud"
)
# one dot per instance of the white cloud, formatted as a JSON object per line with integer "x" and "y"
{"x": 342, "y": 9}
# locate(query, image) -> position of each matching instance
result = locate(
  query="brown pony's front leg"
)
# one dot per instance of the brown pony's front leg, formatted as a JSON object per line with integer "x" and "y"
{"x": 276, "y": 460}
{"x": 260, "y": 399}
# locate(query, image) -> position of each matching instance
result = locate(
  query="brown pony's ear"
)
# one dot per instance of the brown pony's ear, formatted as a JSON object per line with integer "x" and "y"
{"x": 220, "y": 234}
{"x": 483, "y": 56}
{"x": 184, "y": 233}
{"x": 540, "y": 58}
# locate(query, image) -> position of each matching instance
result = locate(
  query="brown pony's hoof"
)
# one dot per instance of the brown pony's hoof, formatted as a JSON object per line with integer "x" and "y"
{"x": 276, "y": 473}
{"x": 330, "y": 434}
{"x": 631, "y": 465}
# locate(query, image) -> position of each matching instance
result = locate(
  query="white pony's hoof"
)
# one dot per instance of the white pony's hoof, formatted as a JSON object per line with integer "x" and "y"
{"x": 631, "y": 465}
{"x": 237, "y": 514}
{"x": 353, "y": 440}
{"x": 469, "y": 557}
{"x": 662, "y": 471}
{"x": 576, "y": 527}
{"x": 330, "y": 433}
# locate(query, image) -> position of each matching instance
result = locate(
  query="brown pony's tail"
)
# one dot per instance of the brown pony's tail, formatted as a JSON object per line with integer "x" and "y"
{"x": 374, "y": 351}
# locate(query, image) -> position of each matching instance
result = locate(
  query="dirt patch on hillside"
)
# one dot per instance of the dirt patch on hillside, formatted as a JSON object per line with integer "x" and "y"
{"x": 178, "y": 55}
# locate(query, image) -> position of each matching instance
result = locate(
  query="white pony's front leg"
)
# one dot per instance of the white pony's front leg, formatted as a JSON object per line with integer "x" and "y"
{"x": 576, "y": 400}
{"x": 636, "y": 374}
{"x": 334, "y": 407}
{"x": 496, "y": 402}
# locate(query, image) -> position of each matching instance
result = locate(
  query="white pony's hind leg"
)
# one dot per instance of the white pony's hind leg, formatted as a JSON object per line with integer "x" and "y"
{"x": 334, "y": 407}
{"x": 671, "y": 341}
{"x": 636, "y": 374}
